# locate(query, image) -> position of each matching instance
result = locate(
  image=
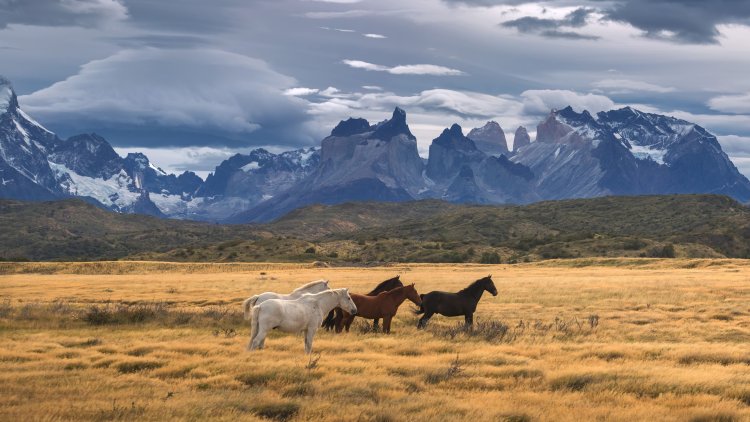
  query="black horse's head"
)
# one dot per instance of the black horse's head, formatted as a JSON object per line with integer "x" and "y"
{"x": 387, "y": 285}
{"x": 488, "y": 285}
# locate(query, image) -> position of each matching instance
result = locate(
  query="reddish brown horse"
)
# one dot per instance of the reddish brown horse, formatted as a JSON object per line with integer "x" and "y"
{"x": 385, "y": 305}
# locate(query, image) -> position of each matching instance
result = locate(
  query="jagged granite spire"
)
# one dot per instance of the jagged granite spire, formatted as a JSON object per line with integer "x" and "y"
{"x": 393, "y": 127}
{"x": 490, "y": 139}
{"x": 521, "y": 138}
{"x": 351, "y": 126}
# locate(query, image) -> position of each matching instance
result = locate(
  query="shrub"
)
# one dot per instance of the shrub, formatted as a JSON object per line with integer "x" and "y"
{"x": 666, "y": 251}
{"x": 310, "y": 250}
{"x": 490, "y": 258}
{"x": 633, "y": 244}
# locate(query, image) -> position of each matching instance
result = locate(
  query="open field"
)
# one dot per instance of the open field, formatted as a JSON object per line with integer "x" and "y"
{"x": 564, "y": 340}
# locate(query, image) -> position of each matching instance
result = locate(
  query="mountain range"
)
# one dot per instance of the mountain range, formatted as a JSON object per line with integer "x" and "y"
{"x": 574, "y": 155}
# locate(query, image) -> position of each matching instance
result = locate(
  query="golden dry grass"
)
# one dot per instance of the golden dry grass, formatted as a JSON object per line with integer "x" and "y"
{"x": 671, "y": 343}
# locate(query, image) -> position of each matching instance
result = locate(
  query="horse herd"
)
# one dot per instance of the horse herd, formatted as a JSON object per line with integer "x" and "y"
{"x": 315, "y": 305}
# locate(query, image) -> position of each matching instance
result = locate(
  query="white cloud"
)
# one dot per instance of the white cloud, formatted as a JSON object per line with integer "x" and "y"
{"x": 628, "y": 85}
{"x": 108, "y": 9}
{"x": 377, "y": 36}
{"x": 735, "y": 145}
{"x": 541, "y": 101}
{"x": 739, "y": 104}
{"x": 337, "y": 29}
{"x": 409, "y": 69}
{"x": 86, "y": 13}
{"x": 359, "y": 64}
{"x": 301, "y": 91}
{"x": 344, "y": 14}
{"x": 372, "y": 87}
{"x": 336, "y": 1}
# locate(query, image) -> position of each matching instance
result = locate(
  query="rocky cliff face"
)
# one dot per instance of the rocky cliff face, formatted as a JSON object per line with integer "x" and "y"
{"x": 520, "y": 139}
{"x": 627, "y": 152}
{"x": 490, "y": 139}
{"x": 24, "y": 170}
{"x": 459, "y": 172}
{"x": 379, "y": 164}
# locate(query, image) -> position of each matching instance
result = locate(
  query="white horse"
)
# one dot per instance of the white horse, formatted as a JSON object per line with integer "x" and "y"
{"x": 304, "y": 314}
{"x": 311, "y": 287}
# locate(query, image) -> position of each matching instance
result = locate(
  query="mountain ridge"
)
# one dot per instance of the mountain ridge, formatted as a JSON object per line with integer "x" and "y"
{"x": 574, "y": 155}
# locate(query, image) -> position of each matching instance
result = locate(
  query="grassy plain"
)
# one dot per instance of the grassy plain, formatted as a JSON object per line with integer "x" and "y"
{"x": 577, "y": 340}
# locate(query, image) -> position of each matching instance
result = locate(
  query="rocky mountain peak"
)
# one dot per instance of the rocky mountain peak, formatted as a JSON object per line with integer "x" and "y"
{"x": 8, "y": 99}
{"x": 521, "y": 138}
{"x": 490, "y": 139}
{"x": 351, "y": 126}
{"x": 138, "y": 158}
{"x": 453, "y": 138}
{"x": 393, "y": 127}
{"x": 551, "y": 130}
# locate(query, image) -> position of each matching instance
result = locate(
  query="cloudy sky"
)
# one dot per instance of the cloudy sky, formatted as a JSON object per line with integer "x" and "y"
{"x": 190, "y": 82}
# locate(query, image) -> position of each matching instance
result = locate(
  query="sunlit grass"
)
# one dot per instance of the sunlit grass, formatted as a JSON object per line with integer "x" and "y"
{"x": 654, "y": 340}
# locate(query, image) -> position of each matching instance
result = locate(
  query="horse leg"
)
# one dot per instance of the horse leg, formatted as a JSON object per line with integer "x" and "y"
{"x": 339, "y": 320}
{"x": 387, "y": 324}
{"x": 259, "y": 339}
{"x": 349, "y": 319}
{"x": 469, "y": 319}
{"x": 375, "y": 324}
{"x": 309, "y": 334}
{"x": 425, "y": 318}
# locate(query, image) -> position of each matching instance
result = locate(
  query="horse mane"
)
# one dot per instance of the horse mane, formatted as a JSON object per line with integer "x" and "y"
{"x": 382, "y": 286}
{"x": 474, "y": 286}
{"x": 308, "y": 285}
{"x": 392, "y": 291}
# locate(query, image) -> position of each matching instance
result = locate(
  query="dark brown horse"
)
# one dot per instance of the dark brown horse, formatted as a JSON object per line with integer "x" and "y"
{"x": 454, "y": 304}
{"x": 335, "y": 315}
{"x": 385, "y": 305}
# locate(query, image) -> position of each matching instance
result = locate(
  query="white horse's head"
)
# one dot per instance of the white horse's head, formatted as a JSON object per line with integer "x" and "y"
{"x": 316, "y": 286}
{"x": 345, "y": 301}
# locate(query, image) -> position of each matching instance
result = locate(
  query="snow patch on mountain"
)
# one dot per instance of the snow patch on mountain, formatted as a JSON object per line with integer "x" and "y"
{"x": 647, "y": 153}
{"x": 178, "y": 206}
{"x": 157, "y": 169}
{"x": 253, "y": 165}
{"x": 113, "y": 192}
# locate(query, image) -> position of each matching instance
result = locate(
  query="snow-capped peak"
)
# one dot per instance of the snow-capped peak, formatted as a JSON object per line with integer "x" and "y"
{"x": 6, "y": 95}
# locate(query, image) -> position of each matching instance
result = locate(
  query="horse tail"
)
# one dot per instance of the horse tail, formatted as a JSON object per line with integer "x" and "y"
{"x": 329, "y": 322}
{"x": 255, "y": 323}
{"x": 421, "y": 305}
{"x": 247, "y": 306}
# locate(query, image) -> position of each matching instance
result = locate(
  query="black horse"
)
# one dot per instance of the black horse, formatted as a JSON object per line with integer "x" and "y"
{"x": 335, "y": 315}
{"x": 455, "y": 304}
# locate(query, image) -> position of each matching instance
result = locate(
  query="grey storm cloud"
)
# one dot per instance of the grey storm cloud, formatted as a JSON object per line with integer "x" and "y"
{"x": 554, "y": 28}
{"x": 226, "y": 99}
{"x": 86, "y": 13}
{"x": 210, "y": 78}
{"x": 680, "y": 21}
{"x": 685, "y": 21}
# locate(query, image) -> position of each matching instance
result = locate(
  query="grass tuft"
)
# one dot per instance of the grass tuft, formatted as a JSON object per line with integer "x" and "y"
{"x": 282, "y": 411}
{"x": 130, "y": 367}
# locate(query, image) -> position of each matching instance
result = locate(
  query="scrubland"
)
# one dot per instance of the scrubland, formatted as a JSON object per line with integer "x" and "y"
{"x": 574, "y": 340}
